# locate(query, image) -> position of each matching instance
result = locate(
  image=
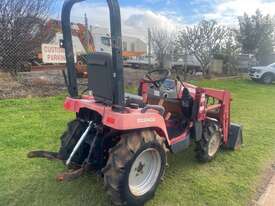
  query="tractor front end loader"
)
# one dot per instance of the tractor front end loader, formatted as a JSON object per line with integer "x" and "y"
{"x": 125, "y": 137}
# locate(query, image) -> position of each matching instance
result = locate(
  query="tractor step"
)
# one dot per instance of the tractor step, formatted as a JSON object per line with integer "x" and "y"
{"x": 44, "y": 154}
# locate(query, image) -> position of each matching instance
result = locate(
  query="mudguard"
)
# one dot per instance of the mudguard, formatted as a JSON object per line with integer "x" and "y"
{"x": 130, "y": 120}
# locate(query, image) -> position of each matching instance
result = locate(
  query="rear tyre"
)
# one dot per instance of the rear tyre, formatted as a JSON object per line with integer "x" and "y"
{"x": 209, "y": 145}
{"x": 267, "y": 78}
{"x": 134, "y": 168}
{"x": 68, "y": 141}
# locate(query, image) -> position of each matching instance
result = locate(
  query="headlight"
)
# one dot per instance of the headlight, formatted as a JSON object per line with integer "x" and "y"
{"x": 258, "y": 71}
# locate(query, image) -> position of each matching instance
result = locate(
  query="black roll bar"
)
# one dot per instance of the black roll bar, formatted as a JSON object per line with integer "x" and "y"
{"x": 115, "y": 21}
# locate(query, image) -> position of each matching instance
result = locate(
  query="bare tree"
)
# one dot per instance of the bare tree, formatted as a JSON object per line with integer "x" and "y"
{"x": 163, "y": 43}
{"x": 202, "y": 41}
{"x": 21, "y": 30}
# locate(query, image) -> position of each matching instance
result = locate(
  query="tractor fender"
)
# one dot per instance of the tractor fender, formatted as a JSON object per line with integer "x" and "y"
{"x": 133, "y": 119}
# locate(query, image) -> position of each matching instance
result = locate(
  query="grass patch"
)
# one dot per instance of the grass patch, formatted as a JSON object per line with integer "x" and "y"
{"x": 230, "y": 180}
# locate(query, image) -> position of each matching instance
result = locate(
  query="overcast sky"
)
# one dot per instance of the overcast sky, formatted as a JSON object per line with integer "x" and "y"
{"x": 138, "y": 15}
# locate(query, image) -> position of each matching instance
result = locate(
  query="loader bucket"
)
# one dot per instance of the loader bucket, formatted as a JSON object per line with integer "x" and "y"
{"x": 235, "y": 139}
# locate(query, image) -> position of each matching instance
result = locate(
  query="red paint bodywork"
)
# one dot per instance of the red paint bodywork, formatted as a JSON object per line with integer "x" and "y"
{"x": 135, "y": 119}
{"x": 132, "y": 119}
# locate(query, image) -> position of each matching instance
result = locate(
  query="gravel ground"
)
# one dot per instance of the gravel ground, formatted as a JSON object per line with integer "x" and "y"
{"x": 48, "y": 83}
{"x": 51, "y": 83}
{"x": 10, "y": 88}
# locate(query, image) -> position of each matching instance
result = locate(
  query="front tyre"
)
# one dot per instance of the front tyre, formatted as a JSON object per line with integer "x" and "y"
{"x": 209, "y": 145}
{"x": 134, "y": 168}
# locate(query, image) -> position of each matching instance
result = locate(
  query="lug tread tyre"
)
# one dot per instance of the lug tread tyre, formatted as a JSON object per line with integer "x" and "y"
{"x": 120, "y": 157}
{"x": 68, "y": 141}
{"x": 202, "y": 153}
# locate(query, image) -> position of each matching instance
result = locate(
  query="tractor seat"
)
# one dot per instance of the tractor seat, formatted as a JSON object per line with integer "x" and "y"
{"x": 131, "y": 100}
{"x": 135, "y": 102}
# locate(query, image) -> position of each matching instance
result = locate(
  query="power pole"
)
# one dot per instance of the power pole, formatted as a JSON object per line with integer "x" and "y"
{"x": 185, "y": 64}
{"x": 149, "y": 47}
{"x": 86, "y": 37}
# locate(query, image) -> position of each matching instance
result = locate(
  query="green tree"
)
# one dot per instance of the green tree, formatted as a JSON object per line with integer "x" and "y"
{"x": 256, "y": 35}
{"x": 229, "y": 52}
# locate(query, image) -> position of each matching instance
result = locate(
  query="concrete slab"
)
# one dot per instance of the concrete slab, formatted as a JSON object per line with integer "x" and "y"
{"x": 268, "y": 197}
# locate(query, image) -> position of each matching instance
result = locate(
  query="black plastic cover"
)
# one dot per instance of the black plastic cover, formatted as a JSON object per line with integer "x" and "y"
{"x": 235, "y": 137}
{"x": 100, "y": 76}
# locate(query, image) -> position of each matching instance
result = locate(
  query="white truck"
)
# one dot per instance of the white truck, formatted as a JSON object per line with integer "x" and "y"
{"x": 264, "y": 74}
{"x": 140, "y": 62}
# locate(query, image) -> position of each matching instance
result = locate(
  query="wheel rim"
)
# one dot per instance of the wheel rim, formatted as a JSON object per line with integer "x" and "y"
{"x": 214, "y": 144}
{"x": 144, "y": 172}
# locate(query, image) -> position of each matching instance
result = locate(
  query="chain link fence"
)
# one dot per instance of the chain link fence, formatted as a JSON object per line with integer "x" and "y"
{"x": 20, "y": 44}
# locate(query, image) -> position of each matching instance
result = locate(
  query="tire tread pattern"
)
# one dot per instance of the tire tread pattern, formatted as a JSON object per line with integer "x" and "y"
{"x": 202, "y": 146}
{"x": 120, "y": 155}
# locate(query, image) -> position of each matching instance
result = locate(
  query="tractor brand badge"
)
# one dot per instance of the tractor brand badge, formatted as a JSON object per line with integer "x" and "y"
{"x": 146, "y": 120}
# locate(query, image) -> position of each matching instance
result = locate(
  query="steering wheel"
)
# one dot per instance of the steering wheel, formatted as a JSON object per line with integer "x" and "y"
{"x": 156, "y": 77}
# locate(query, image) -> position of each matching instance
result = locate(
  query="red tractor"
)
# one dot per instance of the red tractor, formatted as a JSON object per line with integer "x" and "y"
{"x": 126, "y": 137}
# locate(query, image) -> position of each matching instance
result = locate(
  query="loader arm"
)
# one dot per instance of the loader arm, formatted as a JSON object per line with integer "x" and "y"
{"x": 224, "y": 98}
